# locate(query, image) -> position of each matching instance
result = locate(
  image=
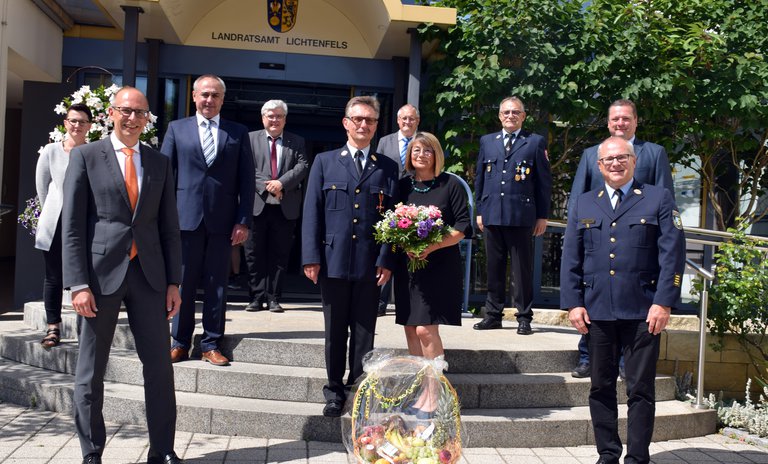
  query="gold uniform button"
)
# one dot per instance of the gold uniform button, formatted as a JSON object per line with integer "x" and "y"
{"x": 653, "y": 282}
{"x": 613, "y": 239}
{"x": 612, "y": 255}
{"x": 354, "y": 221}
{"x": 613, "y": 224}
{"x": 354, "y": 236}
{"x": 357, "y": 190}
{"x": 613, "y": 272}
{"x": 333, "y": 187}
{"x": 357, "y": 206}
{"x": 642, "y": 221}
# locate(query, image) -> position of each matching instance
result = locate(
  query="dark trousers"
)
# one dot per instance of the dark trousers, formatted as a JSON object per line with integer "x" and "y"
{"x": 609, "y": 339}
{"x": 147, "y": 319}
{"x": 267, "y": 251}
{"x": 515, "y": 243}
{"x": 203, "y": 256}
{"x": 584, "y": 351}
{"x": 53, "y": 283}
{"x": 349, "y": 310}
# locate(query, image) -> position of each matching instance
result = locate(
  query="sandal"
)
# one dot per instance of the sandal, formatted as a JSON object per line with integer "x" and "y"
{"x": 51, "y": 339}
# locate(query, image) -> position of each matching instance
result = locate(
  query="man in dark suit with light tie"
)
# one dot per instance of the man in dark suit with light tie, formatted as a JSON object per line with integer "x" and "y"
{"x": 513, "y": 186}
{"x": 622, "y": 266}
{"x": 395, "y": 146}
{"x": 281, "y": 165}
{"x": 121, "y": 243}
{"x": 213, "y": 164}
{"x": 347, "y": 192}
{"x": 652, "y": 168}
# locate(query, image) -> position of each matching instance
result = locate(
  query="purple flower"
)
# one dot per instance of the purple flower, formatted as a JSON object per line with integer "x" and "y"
{"x": 392, "y": 224}
{"x": 422, "y": 230}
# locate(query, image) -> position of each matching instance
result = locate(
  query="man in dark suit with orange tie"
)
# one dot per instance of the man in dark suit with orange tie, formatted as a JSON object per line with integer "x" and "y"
{"x": 121, "y": 243}
{"x": 213, "y": 164}
{"x": 513, "y": 186}
{"x": 281, "y": 165}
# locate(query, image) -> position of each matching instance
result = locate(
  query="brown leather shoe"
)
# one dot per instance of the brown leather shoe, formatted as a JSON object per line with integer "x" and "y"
{"x": 216, "y": 358}
{"x": 179, "y": 354}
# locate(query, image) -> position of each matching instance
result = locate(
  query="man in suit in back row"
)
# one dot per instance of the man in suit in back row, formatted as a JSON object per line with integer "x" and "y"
{"x": 213, "y": 165}
{"x": 653, "y": 168}
{"x": 513, "y": 188}
{"x": 281, "y": 165}
{"x": 622, "y": 266}
{"x": 395, "y": 146}
{"x": 121, "y": 243}
{"x": 348, "y": 191}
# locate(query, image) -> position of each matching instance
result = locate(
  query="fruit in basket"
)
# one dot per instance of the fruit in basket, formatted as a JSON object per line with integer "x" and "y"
{"x": 445, "y": 456}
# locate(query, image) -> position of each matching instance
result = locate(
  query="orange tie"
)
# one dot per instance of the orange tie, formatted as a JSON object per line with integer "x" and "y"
{"x": 132, "y": 185}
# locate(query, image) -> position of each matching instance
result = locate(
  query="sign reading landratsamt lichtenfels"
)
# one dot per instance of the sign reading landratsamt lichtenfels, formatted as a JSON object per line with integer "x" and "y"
{"x": 278, "y": 40}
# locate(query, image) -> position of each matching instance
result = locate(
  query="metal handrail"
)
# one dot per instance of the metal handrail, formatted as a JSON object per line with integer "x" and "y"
{"x": 707, "y": 278}
{"x": 468, "y": 245}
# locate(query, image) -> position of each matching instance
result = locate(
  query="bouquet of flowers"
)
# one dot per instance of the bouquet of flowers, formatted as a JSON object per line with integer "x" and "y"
{"x": 28, "y": 219}
{"x": 405, "y": 411}
{"x": 412, "y": 228}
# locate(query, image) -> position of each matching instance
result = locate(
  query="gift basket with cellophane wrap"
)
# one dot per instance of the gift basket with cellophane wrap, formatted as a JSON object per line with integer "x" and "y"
{"x": 404, "y": 411}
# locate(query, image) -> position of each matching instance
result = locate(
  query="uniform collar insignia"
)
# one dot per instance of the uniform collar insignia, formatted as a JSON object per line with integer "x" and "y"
{"x": 638, "y": 191}
{"x": 372, "y": 157}
{"x": 344, "y": 153}
{"x": 498, "y": 136}
{"x": 600, "y": 194}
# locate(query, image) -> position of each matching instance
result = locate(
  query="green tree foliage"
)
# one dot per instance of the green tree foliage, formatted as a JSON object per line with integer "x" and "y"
{"x": 696, "y": 69}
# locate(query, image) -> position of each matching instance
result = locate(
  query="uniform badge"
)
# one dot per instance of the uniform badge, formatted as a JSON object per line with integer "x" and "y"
{"x": 498, "y": 136}
{"x": 373, "y": 157}
{"x": 600, "y": 195}
{"x": 677, "y": 220}
{"x": 344, "y": 153}
{"x": 488, "y": 167}
{"x": 587, "y": 222}
{"x": 638, "y": 191}
{"x": 677, "y": 280}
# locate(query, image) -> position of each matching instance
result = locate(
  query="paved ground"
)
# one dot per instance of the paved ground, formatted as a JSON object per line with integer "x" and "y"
{"x": 29, "y": 436}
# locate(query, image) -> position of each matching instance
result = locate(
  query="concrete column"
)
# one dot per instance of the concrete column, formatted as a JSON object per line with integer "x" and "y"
{"x": 414, "y": 69}
{"x": 3, "y": 86}
{"x": 130, "y": 40}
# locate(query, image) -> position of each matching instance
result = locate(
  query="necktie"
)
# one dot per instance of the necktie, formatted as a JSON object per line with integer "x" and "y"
{"x": 273, "y": 157}
{"x": 132, "y": 186}
{"x": 619, "y": 195}
{"x": 359, "y": 162}
{"x": 209, "y": 149}
{"x": 508, "y": 145}
{"x": 404, "y": 150}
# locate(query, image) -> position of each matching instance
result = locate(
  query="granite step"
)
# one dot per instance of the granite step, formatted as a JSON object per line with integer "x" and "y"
{"x": 273, "y": 382}
{"x": 204, "y": 413}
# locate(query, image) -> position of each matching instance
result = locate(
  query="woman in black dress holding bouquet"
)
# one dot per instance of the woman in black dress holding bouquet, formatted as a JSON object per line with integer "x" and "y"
{"x": 431, "y": 296}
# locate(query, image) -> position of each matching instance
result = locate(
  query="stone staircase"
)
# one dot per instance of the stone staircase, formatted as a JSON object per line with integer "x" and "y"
{"x": 515, "y": 391}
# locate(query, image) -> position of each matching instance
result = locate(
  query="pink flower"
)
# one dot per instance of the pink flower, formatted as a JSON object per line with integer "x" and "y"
{"x": 434, "y": 212}
{"x": 404, "y": 223}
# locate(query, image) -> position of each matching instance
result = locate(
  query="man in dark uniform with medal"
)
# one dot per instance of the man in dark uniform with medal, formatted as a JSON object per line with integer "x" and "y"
{"x": 623, "y": 259}
{"x": 513, "y": 187}
{"x": 347, "y": 192}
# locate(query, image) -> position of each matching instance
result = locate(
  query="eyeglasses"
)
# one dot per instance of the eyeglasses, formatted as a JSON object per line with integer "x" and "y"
{"x": 407, "y": 118}
{"x": 214, "y": 95}
{"x": 77, "y": 122}
{"x": 425, "y": 153}
{"x": 511, "y": 112}
{"x": 359, "y": 120}
{"x": 275, "y": 117}
{"x": 125, "y": 111}
{"x": 608, "y": 160}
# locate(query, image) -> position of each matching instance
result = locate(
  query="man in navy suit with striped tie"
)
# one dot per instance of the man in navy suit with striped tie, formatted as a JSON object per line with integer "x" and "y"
{"x": 214, "y": 171}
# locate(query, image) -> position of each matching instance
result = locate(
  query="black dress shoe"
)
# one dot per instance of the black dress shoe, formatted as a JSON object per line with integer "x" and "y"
{"x": 524, "y": 328}
{"x": 93, "y": 458}
{"x": 253, "y": 306}
{"x": 582, "y": 371}
{"x": 274, "y": 307}
{"x": 487, "y": 324}
{"x": 622, "y": 373}
{"x": 168, "y": 458}
{"x": 333, "y": 408}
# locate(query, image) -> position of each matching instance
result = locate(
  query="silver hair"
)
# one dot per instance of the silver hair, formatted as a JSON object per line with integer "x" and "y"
{"x": 408, "y": 105}
{"x": 210, "y": 76}
{"x": 630, "y": 147}
{"x": 273, "y": 104}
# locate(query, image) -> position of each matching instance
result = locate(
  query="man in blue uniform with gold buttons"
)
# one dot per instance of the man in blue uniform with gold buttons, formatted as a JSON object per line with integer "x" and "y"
{"x": 623, "y": 259}
{"x": 513, "y": 187}
{"x": 347, "y": 192}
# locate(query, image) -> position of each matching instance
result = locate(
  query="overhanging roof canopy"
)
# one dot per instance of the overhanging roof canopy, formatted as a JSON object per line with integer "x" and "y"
{"x": 354, "y": 28}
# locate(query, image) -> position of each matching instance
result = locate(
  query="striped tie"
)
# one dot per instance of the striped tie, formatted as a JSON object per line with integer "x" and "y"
{"x": 209, "y": 149}
{"x": 404, "y": 150}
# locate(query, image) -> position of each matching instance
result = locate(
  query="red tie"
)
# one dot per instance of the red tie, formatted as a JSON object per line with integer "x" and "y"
{"x": 132, "y": 186}
{"x": 273, "y": 157}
